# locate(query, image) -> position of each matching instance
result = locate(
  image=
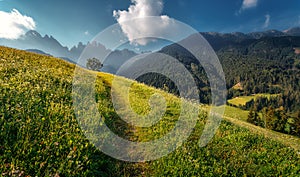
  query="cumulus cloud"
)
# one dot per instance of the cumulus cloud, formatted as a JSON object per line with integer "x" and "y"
{"x": 267, "y": 21}
{"x": 140, "y": 9}
{"x": 14, "y": 24}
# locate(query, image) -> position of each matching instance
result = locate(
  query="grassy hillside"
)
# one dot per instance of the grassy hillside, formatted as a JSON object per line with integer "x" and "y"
{"x": 236, "y": 113}
{"x": 40, "y": 136}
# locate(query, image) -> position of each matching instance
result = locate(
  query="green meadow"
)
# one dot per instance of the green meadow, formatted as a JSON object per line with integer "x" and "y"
{"x": 40, "y": 135}
{"x": 242, "y": 100}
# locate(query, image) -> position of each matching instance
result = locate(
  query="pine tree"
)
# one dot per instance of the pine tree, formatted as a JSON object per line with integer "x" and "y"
{"x": 250, "y": 118}
{"x": 270, "y": 118}
{"x": 257, "y": 119}
{"x": 297, "y": 124}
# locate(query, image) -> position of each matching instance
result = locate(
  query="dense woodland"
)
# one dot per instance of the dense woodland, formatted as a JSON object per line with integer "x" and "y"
{"x": 267, "y": 65}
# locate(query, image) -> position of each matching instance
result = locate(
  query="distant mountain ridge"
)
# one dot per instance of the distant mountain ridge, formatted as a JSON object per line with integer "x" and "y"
{"x": 293, "y": 31}
{"x": 221, "y": 40}
{"x": 48, "y": 45}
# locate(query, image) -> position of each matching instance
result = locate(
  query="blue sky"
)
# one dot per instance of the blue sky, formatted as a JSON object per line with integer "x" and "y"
{"x": 80, "y": 20}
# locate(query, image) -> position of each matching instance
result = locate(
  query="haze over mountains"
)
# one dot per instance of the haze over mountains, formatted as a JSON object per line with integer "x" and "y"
{"x": 34, "y": 42}
{"x": 48, "y": 45}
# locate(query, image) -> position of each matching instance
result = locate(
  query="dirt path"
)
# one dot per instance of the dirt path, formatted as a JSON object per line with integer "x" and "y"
{"x": 285, "y": 139}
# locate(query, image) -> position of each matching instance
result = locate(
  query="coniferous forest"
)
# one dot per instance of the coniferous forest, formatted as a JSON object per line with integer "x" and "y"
{"x": 268, "y": 65}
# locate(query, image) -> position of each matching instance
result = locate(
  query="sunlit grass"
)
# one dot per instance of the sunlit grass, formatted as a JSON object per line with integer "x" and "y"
{"x": 40, "y": 135}
{"x": 242, "y": 100}
{"x": 236, "y": 113}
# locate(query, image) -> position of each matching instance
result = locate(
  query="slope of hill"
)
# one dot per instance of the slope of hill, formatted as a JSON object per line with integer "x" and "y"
{"x": 40, "y": 136}
{"x": 266, "y": 65}
{"x": 38, "y": 52}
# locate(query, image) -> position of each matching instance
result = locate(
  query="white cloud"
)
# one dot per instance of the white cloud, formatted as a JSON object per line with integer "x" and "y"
{"x": 86, "y": 33}
{"x": 267, "y": 21}
{"x": 14, "y": 24}
{"x": 247, "y": 4}
{"x": 139, "y": 9}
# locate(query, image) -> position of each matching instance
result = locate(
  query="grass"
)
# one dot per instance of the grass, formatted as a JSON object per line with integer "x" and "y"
{"x": 242, "y": 100}
{"x": 236, "y": 113}
{"x": 40, "y": 135}
{"x": 288, "y": 140}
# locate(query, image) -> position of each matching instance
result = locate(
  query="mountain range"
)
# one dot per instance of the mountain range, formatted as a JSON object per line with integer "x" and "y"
{"x": 33, "y": 41}
{"x": 48, "y": 45}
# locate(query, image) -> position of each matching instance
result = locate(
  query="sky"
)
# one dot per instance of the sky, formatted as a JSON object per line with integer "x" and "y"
{"x": 73, "y": 21}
